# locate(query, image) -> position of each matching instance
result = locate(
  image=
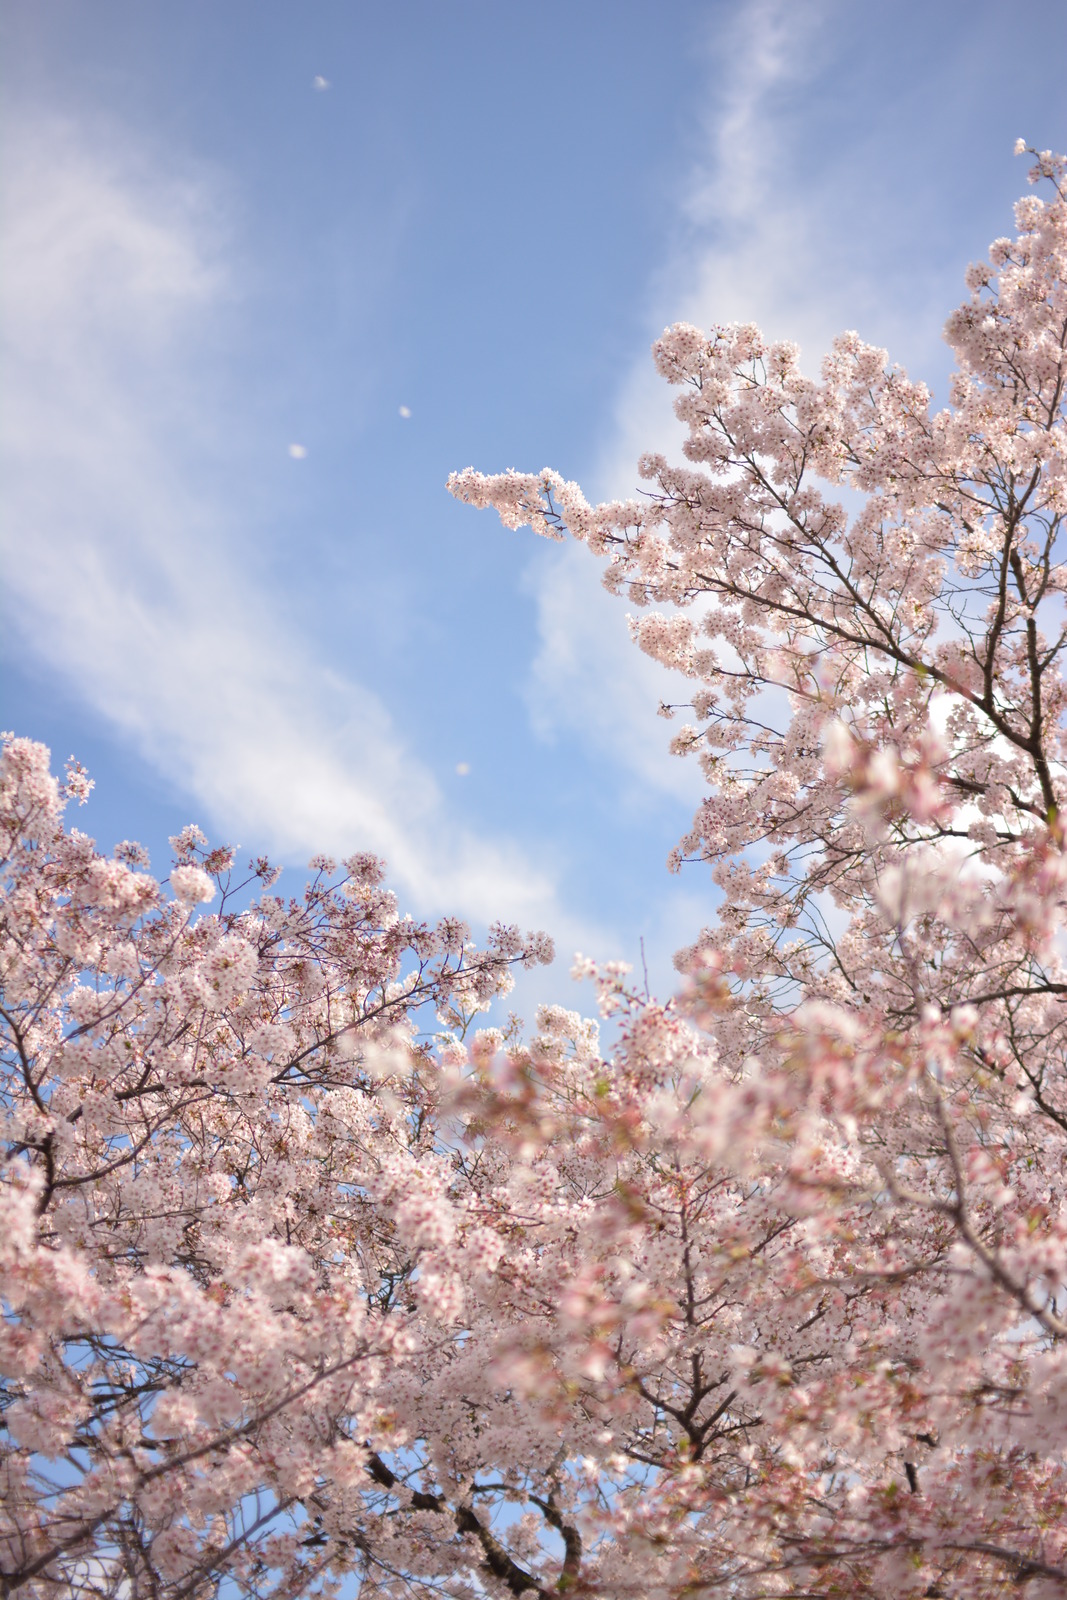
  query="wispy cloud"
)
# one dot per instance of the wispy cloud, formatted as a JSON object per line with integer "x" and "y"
{"x": 588, "y": 678}
{"x": 127, "y": 577}
{"x": 737, "y": 253}
{"x": 746, "y": 241}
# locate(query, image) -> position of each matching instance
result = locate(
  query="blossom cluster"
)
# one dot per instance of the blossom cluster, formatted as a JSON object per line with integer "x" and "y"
{"x": 225, "y": 1227}
{"x": 308, "y": 1282}
{"x": 846, "y": 1135}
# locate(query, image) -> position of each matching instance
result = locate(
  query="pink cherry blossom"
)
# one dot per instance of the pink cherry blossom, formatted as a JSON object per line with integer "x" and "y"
{"x": 312, "y": 1285}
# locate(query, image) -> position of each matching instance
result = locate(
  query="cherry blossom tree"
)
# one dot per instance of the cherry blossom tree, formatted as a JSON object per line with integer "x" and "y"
{"x": 311, "y": 1285}
{"x": 877, "y": 707}
{"x": 226, "y": 1227}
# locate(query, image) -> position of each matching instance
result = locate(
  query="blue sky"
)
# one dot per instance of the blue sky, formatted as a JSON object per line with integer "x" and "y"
{"x": 482, "y": 213}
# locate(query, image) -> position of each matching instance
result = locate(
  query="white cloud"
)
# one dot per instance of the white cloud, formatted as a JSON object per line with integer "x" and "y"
{"x": 737, "y": 255}
{"x": 129, "y": 581}
{"x": 748, "y": 246}
{"x": 589, "y": 677}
